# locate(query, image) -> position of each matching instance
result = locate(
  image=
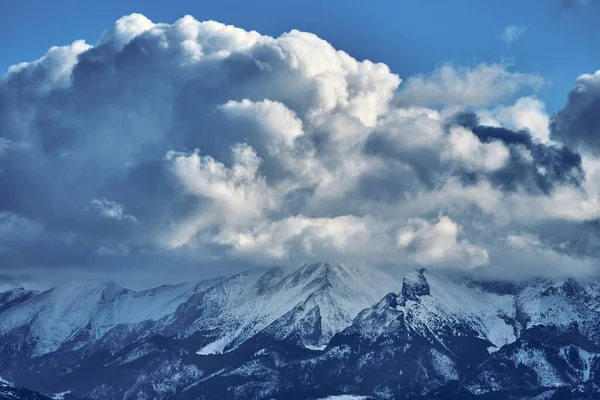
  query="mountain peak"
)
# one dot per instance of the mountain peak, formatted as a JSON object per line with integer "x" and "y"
{"x": 309, "y": 272}
{"x": 313, "y": 267}
{"x": 415, "y": 285}
{"x": 111, "y": 290}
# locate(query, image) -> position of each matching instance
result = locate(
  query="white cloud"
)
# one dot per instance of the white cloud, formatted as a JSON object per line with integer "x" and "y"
{"x": 305, "y": 237}
{"x": 523, "y": 242}
{"x": 234, "y": 197}
{"x": 53, "y": 69}
{"x": 302, "y": 152}
{"x": 467, "y": 151}
{"x": 437, "y": 244}
{"x": 125, "y": 29}
{"x": 111, "y": 210}
{"x": 274, "y": 119}
{"x": 462, "y": 86}
{"x": 527, "y": 113}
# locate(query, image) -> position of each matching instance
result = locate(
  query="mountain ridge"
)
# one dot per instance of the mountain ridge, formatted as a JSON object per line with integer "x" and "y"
{"x": 318, "y": 331}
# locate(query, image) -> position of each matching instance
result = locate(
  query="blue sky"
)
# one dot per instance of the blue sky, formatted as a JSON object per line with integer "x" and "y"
{"x": 410, "y": 36}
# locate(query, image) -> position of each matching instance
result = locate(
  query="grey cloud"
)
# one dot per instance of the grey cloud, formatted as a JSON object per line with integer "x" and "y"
{"x": 534, "y": 165}
{"x": 578, "y": 123}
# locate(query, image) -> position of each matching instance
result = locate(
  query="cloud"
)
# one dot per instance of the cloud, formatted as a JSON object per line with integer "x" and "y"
{"x": 16, "y": 230}
{"x": 230, "y": 197}
{"x": 527, "y": 113}
{"x": 436, "y": 244}
{"x": 111, "y": 209}
{"x": 578, "y": 124}
{"x": 512, "y": 33}
{"x": 466, "y": 150}
{"x": 203, "y": 146}
{"x": 533, "y": 165}
{"x": 462, "y": 86}
{"x": 299, "y": 237}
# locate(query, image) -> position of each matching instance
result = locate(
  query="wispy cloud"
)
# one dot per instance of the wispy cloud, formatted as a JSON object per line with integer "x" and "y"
{"x": 512, "y": 33}
{"x": 111, "y": 209}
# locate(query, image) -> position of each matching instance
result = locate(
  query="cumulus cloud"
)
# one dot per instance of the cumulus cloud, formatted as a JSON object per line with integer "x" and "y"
{"x": 231, "y": 197}
{"x": 437, "y": 244}
{"x": 466, "y": 150}
{"x": 527, "y": 113}
{"x": 481, "y": 86}
{"x": 199, "y": 144}
{"x": 340, "y": 238}
{"x": 534, "y": 165}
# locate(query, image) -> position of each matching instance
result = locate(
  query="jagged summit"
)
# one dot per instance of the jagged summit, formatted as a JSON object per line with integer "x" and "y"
{"x": 415, "y": 285}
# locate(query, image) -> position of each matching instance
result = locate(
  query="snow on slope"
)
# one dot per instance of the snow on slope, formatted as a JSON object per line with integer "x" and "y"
{"x": 456, "y": 306}
{"x": 433, "y": 301}
{"x": 313, "y": 303}
{"x": 57, "y": 315}
{"x": 547, "y": 304}
{"x": 14, "y": 296}
{"x": 495, "y": 316}
{"x": 310, "y": 305}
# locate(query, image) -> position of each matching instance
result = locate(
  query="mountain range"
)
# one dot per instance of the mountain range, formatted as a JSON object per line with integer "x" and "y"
{"x": 321, "y": 331}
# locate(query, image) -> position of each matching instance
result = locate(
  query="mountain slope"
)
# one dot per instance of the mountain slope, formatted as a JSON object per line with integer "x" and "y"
{"x": 532, "y": 338}
{"x": 307, "y": 306}
{"x": 320, "y": 331}
{"x": 78, "y": 316}
{"x": 66, "y": 331}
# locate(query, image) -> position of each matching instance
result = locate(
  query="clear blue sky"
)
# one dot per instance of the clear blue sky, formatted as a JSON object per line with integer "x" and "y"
{"x": 410, "y": 36}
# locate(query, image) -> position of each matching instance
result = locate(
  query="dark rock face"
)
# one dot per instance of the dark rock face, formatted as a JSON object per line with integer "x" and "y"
{"x": 415, "y": 285}
{"x": 435, "y": 339}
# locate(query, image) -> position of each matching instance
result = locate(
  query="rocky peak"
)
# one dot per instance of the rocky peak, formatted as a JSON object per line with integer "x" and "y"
{"x": 112, "y": 290}
{"x": 415, "y": 285}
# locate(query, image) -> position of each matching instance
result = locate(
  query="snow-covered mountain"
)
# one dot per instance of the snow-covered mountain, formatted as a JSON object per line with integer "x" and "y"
{"x": 320, "y": 331}
{"x": 77, "y": 316}
{"x": 307, "y": 306}
{"x": 469, "y": 338}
